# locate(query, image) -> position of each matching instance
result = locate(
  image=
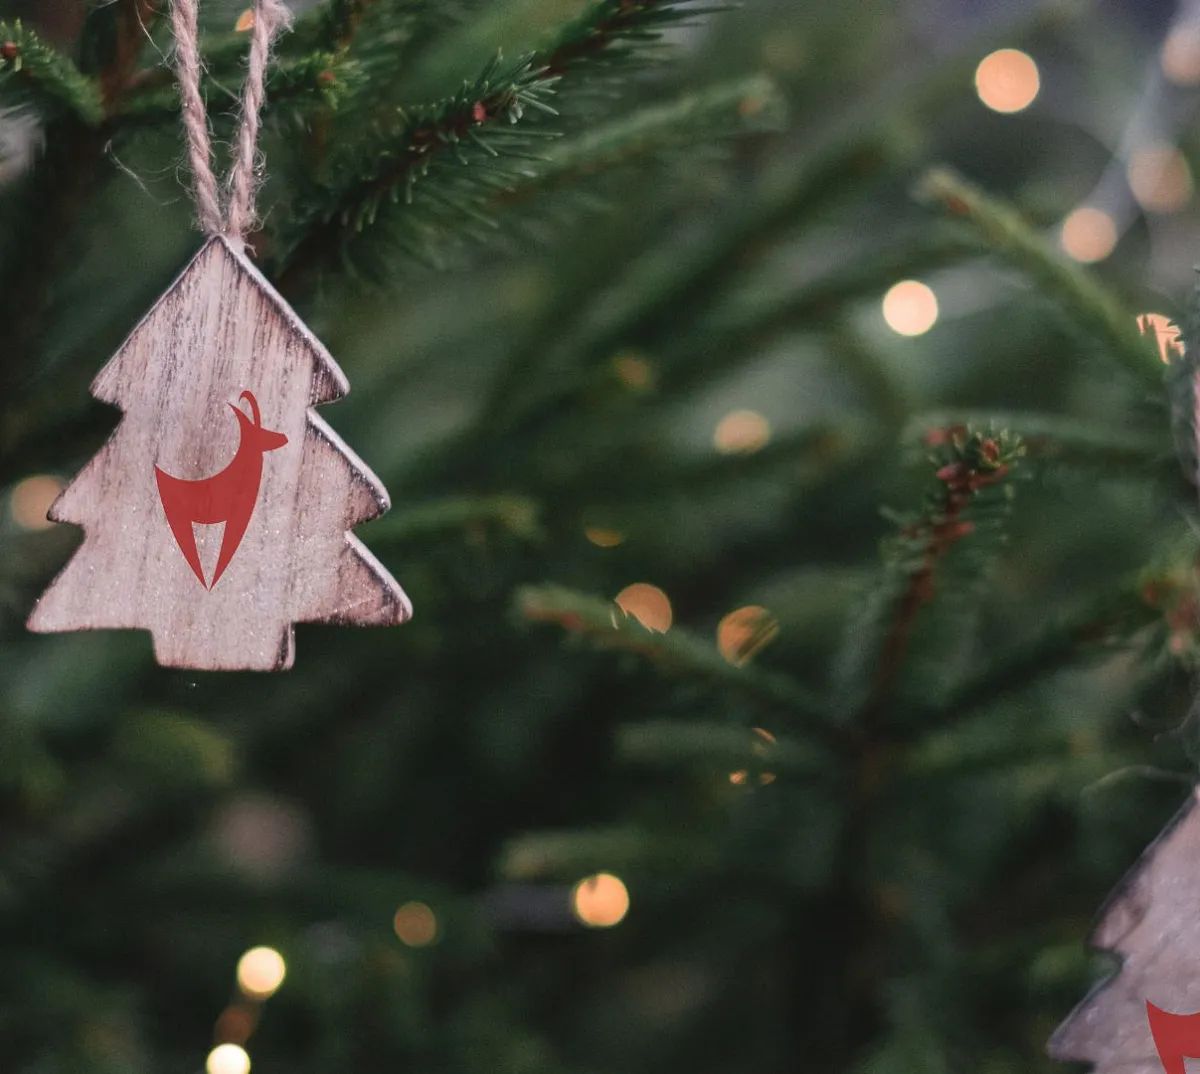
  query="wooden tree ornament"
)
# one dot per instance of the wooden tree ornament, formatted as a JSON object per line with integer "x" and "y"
{"x": 220, "y": 338}
{"x": 1143, "y": 1019}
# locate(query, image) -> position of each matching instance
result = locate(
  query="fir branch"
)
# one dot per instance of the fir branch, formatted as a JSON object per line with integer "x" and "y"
{"x": 482, "y": 120}
{"x": 1113, "y": 615}
{"x": 1080, "y": 296}
{"x": 516, "y": 515}
{"x": 567, "y": 855}
{"x": 36, "y": 75}
{"x": 657, "y": 290}
{"x": 606, "y": 626}
{"x": 655, "y": 131}
{"x": 1057, "y": 439}
{"x": 807, "y": 456}
{"x": 610, "y": 31}
{"x": 716, "y": 345}
{"x": 293, "y": 87}
{"x": 968, "y": 503}
{"x": 719, "y": 746}
{"x": 341, "y": 18}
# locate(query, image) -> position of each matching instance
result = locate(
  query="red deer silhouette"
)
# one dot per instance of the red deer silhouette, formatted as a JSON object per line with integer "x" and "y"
{"x": 1176, "y": 1036}
{"x": 228, "y": 496}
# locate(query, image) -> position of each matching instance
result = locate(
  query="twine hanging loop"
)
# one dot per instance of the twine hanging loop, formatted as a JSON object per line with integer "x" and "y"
{"x": 230, "y": 212}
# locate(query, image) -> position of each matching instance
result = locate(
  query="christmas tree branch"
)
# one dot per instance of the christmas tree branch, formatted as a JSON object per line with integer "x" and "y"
{"x": 481, "y": 124}
{"x": 1079, "y": 295}
{"x": 516, "y": 515}
{"x": 716, "y": 746}
{"x": 661, "y": 287}
{"x": 291, "y": 83}
{"x": 807, "y": 455}
{"x": 1060, "y": 440}
{"x": 35, "y": 75}
{"x": 973, "y": 474}
{"x": 606, "y": 626}
{"x": 715, "y": 346}
{"x": 487, "y": 123}
{"x": 1117, "y": 613}
{"x": 567, "y": 855}
{"x": 657, "y": 130}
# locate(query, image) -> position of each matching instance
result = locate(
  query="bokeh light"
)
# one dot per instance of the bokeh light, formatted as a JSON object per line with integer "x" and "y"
{"x": 1181, "y": 56}
{"x": 415, "y": 924}
{"x": 634, "y": 372}
{"x": 648, "y": 604}
{"x": 31, "y": 499}
{"x": 1160, "y": 178}
{"x": 744, "y": 632}
{"x": 910, "y": 308}
{"x": 603, "y": 537}
{"x": 1166, "y": 334}
{"x": 1007, "y": 80}
{"x": 228, "y": 1059}
{"x": 600, "y": 901}
{"x": 1088, "y": 234}
{"x": 260, "y": 972}
{"x": 741, "y": 432}
{"x": 245, "y": 21}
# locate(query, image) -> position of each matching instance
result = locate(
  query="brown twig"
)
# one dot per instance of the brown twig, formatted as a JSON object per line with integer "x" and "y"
{"x": 938, "y": 533}
{"x": 134, "y": 20}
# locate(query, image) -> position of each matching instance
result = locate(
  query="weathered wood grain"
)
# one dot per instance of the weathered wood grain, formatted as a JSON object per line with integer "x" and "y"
{"x": 219, "y": 330}
{"x": 1152, "y": 923}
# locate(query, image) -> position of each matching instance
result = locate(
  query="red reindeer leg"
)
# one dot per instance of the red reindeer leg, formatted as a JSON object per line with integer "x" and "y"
{"x": 242, "y": 507}
{"x": 175, "y": 505}
{"x": 1176, "y": 1036}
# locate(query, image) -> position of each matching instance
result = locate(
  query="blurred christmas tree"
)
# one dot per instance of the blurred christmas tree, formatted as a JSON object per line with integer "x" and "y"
{"x": 833, "y": 789}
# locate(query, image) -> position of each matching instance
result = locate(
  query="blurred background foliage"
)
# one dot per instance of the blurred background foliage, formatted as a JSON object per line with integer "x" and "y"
{"x": 897, "y": 678}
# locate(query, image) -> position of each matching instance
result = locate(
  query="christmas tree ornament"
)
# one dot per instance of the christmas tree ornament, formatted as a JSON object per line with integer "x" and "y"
{"x": 218, "y": 513}
{"x": 1145, "y": 1019}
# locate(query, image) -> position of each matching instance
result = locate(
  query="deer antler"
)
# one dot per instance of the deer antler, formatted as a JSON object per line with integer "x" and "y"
{"x": 249, "y": 397}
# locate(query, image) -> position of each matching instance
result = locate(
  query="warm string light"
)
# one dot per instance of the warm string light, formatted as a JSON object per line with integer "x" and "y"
{"x": 260, "y": 972}
{"x": 1088, "y": 234}
{"x": 31, "y": 499}
{"x": 648, "y": 604}
{"x": 741, "y": 432}
{"x": 634, "y": 372}
{"x": 603, "y": 537}
{"x": 744, "y": 632}
{"x": 910, "y": 308}
{"x": 600, "y": 901}
{"x": 228, "y": 1059}
{"x": 764, "y": 740}
{"x": 1007, "y": 80}
{"x": 1166, "y": 334}
{"x": 1160, "y": 178}
{"x": 415, "y": 924}
{"x": 1180, "y": 56}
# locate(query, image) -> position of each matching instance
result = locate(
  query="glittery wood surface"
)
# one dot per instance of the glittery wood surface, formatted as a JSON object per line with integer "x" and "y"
{"x": 219, "y": 330}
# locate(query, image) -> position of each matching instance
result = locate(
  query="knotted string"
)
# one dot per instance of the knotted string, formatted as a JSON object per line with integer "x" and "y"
{"x": 237, "y": 216}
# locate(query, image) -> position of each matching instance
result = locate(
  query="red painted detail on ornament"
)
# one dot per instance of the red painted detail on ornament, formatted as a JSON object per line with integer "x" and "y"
{"x": 228, "y": 496}
{"x": 1176, "y": 1036}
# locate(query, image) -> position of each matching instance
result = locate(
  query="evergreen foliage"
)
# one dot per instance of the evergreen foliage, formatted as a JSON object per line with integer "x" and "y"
{"x": 863, "y": 822}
